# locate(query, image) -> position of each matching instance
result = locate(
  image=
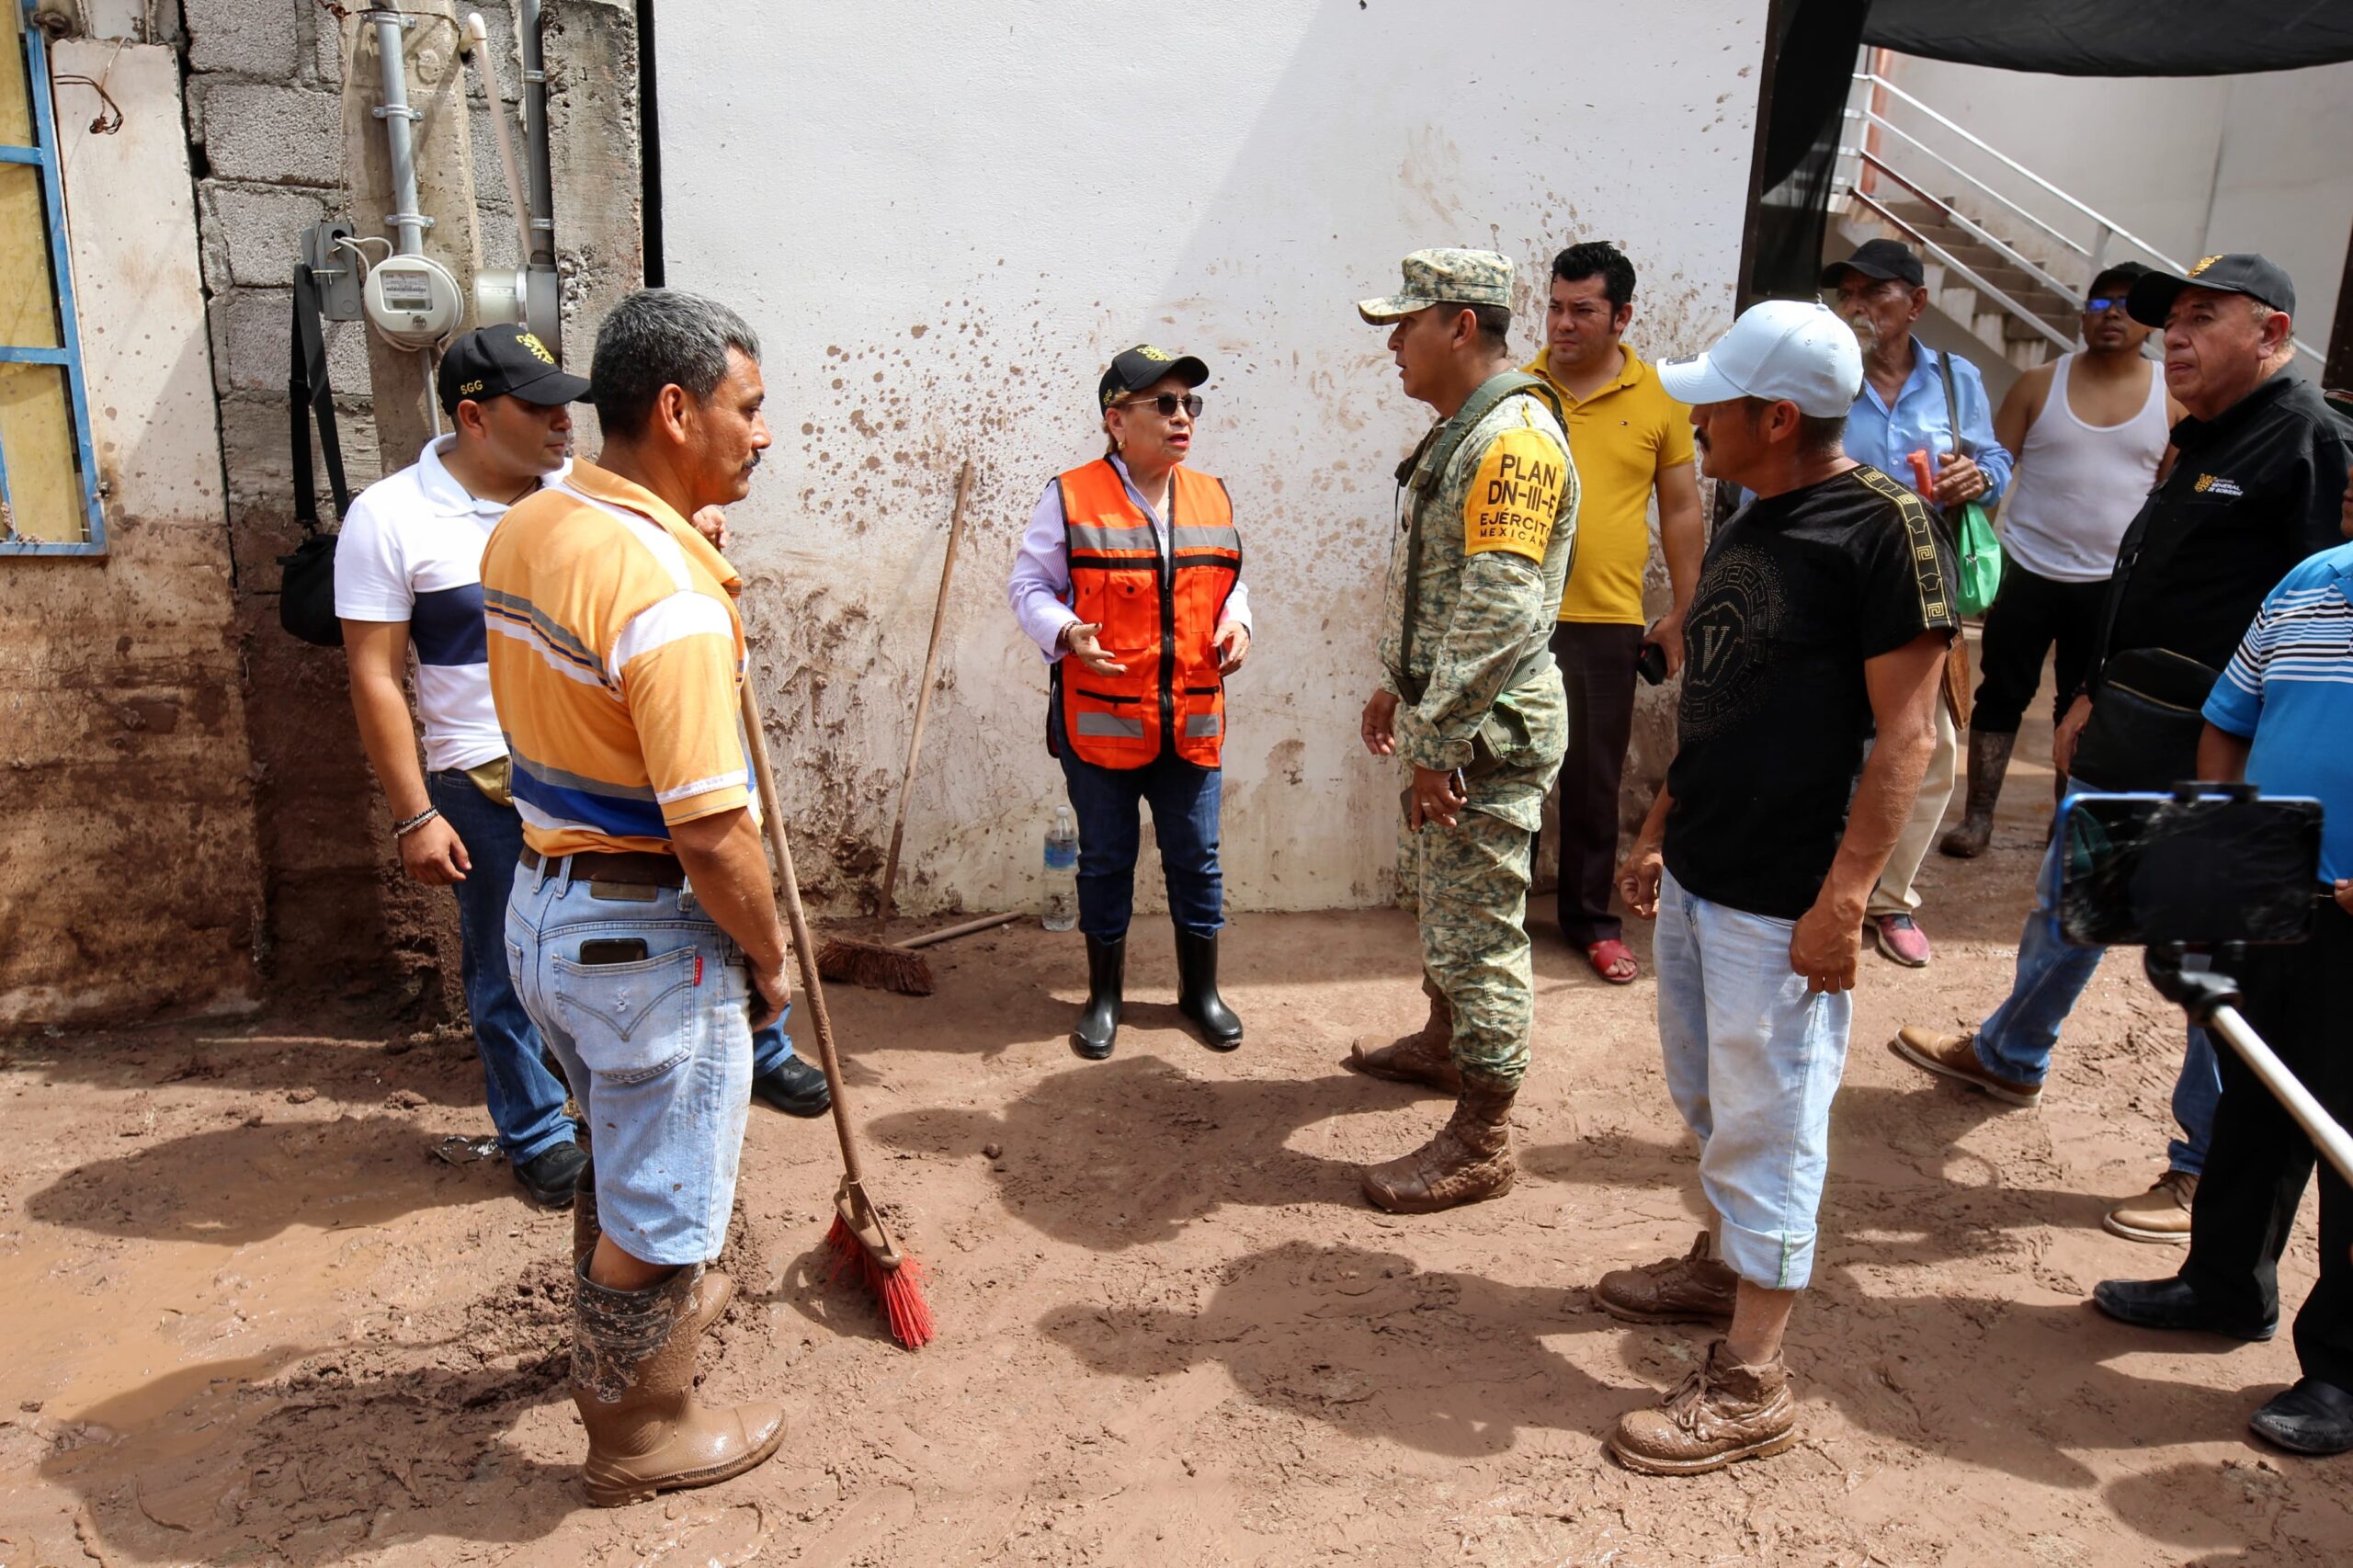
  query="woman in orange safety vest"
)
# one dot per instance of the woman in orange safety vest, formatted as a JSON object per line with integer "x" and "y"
{"x": 1130, "y": 582}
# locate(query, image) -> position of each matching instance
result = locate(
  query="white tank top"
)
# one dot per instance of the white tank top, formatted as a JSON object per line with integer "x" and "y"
{"x": 2077, "y": 486}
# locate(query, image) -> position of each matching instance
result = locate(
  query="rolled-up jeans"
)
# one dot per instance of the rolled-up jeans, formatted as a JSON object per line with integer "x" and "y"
{"x": 657, "y": 1049}
{"x": 1752, "y": 1061}
{"x": 2016, "y": 1039}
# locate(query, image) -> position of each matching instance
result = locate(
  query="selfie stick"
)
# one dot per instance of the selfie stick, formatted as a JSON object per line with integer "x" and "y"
{"x": 2213, "y": 1000}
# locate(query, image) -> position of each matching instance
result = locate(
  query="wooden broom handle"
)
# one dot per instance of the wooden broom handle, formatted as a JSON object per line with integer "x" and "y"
{"x": 923, "y": 697}
{"x": 804, "y": 946}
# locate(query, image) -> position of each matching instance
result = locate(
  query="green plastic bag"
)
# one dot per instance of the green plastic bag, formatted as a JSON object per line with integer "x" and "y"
{"x": 1974, "y": 545}
{"x": 1979, "y": 552}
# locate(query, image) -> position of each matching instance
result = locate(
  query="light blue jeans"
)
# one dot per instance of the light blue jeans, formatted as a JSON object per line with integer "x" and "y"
{"x": 2015, "y": 1040}
{"x": 658, "y": 1053}
{"x": 1752, "y": 1061}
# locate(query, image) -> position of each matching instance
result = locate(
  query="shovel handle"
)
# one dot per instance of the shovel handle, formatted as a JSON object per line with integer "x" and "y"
{"x": 923, "y": 698}
{"x": 804, "y": 946}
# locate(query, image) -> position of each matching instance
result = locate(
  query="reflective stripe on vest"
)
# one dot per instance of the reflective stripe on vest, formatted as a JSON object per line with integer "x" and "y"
{"x": 1158, "y": 615}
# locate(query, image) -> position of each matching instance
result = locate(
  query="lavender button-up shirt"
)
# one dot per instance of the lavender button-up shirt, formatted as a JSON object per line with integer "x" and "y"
{"x": 1040, "y": 589}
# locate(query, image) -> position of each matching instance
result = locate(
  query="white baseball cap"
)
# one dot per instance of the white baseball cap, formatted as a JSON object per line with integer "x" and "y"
{"x": 1793, "y": 349}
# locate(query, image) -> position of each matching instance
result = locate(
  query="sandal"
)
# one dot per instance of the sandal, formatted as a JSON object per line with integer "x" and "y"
{"x": 1608, "y": 958}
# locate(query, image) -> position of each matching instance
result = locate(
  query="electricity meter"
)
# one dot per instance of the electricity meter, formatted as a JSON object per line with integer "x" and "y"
{"x": 413, "y": 302}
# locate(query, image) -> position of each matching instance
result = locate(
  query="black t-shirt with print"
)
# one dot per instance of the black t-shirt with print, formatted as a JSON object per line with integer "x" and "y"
{"x": 1797, "y": 591}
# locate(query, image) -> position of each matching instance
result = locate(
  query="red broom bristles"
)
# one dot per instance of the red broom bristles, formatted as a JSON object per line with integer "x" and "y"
{"x": 901, "y": 1288}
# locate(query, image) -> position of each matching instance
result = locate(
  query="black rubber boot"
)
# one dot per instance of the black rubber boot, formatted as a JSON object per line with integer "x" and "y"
{"x": 1197, "y": 995}
{"x": 1099, "y": 1021}
{"x": 794, "y": 1088}
{"x": 1989, "y": 759}
{"x": 547, "y": 1179}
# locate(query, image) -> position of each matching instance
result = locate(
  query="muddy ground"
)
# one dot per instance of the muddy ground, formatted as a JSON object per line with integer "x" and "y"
{"x": 254, "y": 1320}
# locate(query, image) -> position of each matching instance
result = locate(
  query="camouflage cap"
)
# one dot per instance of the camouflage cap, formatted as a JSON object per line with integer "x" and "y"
{"x": 1445, "y": 277}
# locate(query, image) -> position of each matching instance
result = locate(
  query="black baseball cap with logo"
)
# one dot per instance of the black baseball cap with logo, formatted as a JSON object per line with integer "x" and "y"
{"x": 1137, "y": 367}
{"x": 2235, "y": 273}
{"x": 1882, "y": 259}
{"x": 504, "y": 361}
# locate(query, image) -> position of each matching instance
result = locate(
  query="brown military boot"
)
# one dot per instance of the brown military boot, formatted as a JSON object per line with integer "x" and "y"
{"x": 1468, "y": 1160}
{"x": 1695, "y": 1288}
{"x": 1426, "y": 1056}
{"x": 712, "y": 1291}
{"x": 1721, "y": 1412}
{"x": 633, "y": 1381}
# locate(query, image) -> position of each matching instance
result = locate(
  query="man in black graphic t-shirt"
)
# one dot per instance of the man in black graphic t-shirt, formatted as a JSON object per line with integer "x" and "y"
{"x": 1821, "y": 619}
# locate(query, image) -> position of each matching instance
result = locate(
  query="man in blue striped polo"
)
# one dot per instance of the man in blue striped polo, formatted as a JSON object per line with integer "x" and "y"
{"x": 2281, "y": 717}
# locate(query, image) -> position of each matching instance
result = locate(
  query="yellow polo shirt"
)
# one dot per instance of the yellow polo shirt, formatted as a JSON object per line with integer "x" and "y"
{"x": 1620, "y": 438}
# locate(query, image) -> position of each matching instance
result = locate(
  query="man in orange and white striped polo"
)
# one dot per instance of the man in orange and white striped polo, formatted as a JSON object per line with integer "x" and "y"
{"x": 642, "y": 932}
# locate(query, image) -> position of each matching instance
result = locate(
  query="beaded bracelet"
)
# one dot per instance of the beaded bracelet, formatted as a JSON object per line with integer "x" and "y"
{"x": 403, "y": 829}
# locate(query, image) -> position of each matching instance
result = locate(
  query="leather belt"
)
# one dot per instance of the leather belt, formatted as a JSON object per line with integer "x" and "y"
{"x": 633, "y": 867}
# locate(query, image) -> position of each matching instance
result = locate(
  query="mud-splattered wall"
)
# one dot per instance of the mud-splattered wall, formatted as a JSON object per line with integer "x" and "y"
{"x": 943, "y": 221}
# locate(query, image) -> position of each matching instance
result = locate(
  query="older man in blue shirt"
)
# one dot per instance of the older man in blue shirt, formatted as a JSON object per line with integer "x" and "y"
{"x": 1879, "y": 291}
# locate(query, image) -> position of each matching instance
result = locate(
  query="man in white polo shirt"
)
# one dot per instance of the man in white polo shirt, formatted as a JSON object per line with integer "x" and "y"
{"x": 408, "y": 579}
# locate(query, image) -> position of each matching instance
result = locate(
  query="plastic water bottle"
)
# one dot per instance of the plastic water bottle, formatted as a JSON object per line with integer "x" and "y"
{"x": 1062, "y": 872}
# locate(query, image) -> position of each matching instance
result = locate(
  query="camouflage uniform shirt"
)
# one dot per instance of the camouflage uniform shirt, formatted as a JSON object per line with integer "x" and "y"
{"x": 1497, "y": 532}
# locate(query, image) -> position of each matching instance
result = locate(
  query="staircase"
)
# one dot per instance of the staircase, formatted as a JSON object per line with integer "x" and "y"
{"x": 2011, "y": 277}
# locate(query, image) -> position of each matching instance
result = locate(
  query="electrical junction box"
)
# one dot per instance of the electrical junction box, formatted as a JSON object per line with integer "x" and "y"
{"x": 413, "y": 302}
{"x": 499, "y": 295}
{"x": 336, "y": 264}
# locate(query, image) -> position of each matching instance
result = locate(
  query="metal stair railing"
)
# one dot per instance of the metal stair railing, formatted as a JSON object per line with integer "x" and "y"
{"x": 2105, "y": 230}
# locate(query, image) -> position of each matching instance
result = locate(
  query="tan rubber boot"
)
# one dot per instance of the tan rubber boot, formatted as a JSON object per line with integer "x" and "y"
{"x": 1721, "y": 1413}
{"x": 634, "y": 1379}
{"x": 712, "y": 1291}
{"x": 1695, "y": 1288}
{"x": 1426, "y": 1056}
{"x": 1470, "y": 1160}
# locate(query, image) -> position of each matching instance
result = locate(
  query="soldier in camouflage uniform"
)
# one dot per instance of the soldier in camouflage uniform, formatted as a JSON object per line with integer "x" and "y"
{"x": 1469, "y": 697}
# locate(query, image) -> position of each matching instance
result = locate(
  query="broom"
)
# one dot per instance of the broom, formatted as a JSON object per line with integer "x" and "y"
{"x": 857, "y": 1238}
{"x": 879, "y": 963}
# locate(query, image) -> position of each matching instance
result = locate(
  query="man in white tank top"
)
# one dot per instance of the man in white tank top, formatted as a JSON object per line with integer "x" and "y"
{"x": 2090, "y": 431}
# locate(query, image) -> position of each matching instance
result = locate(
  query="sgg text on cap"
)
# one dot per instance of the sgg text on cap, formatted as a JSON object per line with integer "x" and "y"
{"x": 504, "y": 361}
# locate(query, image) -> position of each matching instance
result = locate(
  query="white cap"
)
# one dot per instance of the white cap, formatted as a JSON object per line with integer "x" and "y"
{"x": 1793, "y": 349}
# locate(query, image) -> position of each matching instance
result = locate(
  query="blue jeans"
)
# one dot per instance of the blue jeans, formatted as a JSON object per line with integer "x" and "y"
{"x": 1184, "y": 819}
{"x": 525, "y": 1099}
{"x": 2015, "y": 1042}
{"x": 658, "y": 1052}
{"x": 1752, "y": 1061}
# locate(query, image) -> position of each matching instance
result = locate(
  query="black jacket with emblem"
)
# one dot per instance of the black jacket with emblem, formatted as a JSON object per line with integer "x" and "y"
{"x": 2255, "y": 491}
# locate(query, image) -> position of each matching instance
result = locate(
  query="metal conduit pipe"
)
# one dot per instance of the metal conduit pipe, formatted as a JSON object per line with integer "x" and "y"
{"x": 406, "y": 223}
{"x": 544, "y": 295}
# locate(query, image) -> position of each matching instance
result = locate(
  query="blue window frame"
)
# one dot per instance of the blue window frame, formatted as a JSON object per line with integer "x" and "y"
{"x": 65, "y": 354}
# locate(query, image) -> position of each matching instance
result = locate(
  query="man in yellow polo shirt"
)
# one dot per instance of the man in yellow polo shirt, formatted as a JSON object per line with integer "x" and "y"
{"x": 1629, "y": 440}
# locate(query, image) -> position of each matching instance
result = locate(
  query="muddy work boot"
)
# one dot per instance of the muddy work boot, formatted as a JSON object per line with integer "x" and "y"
{"x": 1099, "y": 1021}
{"x": 712, "y": 1291}
{"x": 1469, "y": 1160}
{"x": 1426, "y": 1056}
{"x": 1721, "y": 1412}
{"x": 1989, "y": 759}
{"x": 1695, "y": 1288}
{"x": 633, "y": 1382}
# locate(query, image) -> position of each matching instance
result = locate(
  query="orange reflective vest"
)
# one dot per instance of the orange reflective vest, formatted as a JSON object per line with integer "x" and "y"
{"x": 1157, "y": 616}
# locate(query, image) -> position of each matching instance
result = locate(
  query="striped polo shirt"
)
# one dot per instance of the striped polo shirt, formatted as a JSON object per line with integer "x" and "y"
{"x": 411, "y": 550}
{"x": 615, "y": 652}
{"x": 2289, "y": 687}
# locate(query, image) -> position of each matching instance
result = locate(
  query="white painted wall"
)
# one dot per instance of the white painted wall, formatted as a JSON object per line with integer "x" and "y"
{"x": 2192, "y": 165}
{"x": 943, "y": 220}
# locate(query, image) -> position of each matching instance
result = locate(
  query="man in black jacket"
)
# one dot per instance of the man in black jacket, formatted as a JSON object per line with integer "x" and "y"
{"x": 2255, "y": 491}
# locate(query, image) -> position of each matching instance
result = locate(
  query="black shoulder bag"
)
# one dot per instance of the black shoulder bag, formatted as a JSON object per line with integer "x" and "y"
{"x": 306, "y": 590}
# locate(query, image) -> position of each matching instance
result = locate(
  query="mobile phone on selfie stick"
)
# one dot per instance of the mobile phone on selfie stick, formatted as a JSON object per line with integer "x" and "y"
{"x": 2205, "y": 870}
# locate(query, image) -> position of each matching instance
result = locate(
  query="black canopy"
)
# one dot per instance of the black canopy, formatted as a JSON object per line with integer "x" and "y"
{"x": 2118, "y": 37}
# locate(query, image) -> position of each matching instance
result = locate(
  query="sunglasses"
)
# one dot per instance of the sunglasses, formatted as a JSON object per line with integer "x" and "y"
{"x": 2100, "y": 305}
{"x": 1167, "y": 403}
